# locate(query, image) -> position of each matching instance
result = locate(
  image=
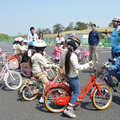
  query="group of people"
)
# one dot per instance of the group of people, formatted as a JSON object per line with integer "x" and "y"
{"x": 64, "y": 54}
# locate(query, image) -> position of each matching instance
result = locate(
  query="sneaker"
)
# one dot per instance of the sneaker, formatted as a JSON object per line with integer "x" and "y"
{"x": 69, "y": 113}
{"x": 80, "y": 100}
{"x": 41, "y": 100}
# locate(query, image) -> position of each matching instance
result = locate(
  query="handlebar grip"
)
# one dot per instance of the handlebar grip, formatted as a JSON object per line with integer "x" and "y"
{"x": 110, "y": 60}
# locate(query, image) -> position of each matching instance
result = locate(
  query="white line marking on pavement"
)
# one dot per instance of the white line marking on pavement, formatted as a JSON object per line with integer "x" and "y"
{"x": 104, "y": 51}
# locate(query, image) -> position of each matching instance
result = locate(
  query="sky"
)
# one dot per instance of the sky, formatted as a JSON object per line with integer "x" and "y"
{"x": 17, "y": 16}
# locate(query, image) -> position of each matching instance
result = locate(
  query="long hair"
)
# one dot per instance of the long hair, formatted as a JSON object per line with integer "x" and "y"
{"x": 58, "y": 34}
{"x": 67, "y": 63}
{"x": 30, "y": 62}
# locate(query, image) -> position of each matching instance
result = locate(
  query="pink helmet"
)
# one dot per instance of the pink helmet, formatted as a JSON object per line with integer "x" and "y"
{"x": 20, "y": 39}
{"x": 16, "y": 39}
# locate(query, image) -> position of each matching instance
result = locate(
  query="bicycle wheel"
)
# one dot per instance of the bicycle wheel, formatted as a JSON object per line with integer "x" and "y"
{"x": 98, "y": 101}
{"x": 25, "y": 70}
{"x": 13, "y": 64}
{"x": 49, "y": 99}
{"x": 50, "y": 74}
{"x": 27, "y": 93}
{"x": 13, "y": 80}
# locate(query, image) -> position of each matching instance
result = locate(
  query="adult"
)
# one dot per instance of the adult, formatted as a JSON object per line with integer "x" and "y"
{"x": 41, "y": 36}
{"x": 32, "y": 36}
{"x": 60, "y": 38}
{"x": 115, "y": 39}
{"x": 93, "y": 41}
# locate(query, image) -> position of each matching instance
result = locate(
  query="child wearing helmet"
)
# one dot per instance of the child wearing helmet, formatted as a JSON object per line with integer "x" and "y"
{"x": 25, "y": 44}
{"x": 19, "y": 48}
{"x": 114, "y": 70}
{"x": 27, "y": 54}
{"x": 57, "y": 51}
{"x": 69, "y": 62}
{"x": 37, "y": 62}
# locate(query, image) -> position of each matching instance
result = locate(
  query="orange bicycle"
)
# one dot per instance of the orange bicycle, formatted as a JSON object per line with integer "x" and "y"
{"x": 57, "y": 95}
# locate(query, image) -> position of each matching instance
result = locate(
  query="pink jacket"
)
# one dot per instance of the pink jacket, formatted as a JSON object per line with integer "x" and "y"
{"x": 57, "y": 52}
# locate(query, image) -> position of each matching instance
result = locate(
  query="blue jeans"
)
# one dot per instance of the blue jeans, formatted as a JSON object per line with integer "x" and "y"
{"x": 75, "y": 88}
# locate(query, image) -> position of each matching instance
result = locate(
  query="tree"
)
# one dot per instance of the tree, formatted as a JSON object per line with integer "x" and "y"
{"x": 89, "y": 24}
{"x": 4, "y": 36}
{"x": 58, "y": 28}
{"x": 81, "y": 26}
{"x": 46, "y": 31}
{"x": 70, "y": 27}
{"x": 38, "y": 31}
{"x": 110, "y": 24}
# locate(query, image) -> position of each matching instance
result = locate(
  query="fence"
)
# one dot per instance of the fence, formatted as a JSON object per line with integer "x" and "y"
{"x": 106, "y": 42}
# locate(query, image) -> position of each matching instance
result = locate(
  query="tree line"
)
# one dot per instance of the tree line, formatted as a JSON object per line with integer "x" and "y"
{"x": 60, "y": 28}
{"x": 57, "y": 28}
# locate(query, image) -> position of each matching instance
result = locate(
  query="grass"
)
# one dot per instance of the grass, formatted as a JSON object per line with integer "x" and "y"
{"x": 110, "y": 29}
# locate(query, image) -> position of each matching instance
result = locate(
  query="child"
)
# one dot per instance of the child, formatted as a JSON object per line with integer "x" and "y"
{"x": 57, "y": 51}
{"x": 19, "y": 48}
{"x": 27, "y": 54}
{"x": 37, "y": 62}
{"x": 115, "y": 69}
{"x": 14, "y": 46}
{"x": 69, "y": 62}
{"x": 25, "y": 44}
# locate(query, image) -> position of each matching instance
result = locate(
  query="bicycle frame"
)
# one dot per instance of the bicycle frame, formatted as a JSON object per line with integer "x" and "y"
{"x": 65, "y": 100}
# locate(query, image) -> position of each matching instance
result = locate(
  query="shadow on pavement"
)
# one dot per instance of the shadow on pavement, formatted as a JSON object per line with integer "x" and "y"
{"x": 88, "y": 106}
{"x": 42, "y": 108}
{"x": 3, "y": 87}
{"x": 116, "y": 99}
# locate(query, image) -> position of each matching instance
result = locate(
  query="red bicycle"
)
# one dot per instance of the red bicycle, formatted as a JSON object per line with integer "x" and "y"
{"x": 12, "y": 60}
{"x": 57, "y": 95}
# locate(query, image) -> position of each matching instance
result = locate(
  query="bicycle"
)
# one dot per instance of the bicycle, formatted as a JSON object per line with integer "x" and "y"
{"x": 31, "y": 88}
{"x": 84, "y": 57}
{"x": 12, "y": 79}
{"x": 104, "y": 77}
{"x": 13, "y": 60}
{"x": 57, "y": 95}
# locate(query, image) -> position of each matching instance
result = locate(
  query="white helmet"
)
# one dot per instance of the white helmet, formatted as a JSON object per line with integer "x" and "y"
{"x": 25, "y": 41}
{"x": 39, "y": 43}
{"x": 117, "y": 19}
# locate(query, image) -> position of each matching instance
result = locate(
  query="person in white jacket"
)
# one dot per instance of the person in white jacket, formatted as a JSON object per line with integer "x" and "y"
{"x": 32, "y": 36}
{"x": 37, "y": 62}
{"x": 69, "y": 62}
{"x": 60, "y": 38}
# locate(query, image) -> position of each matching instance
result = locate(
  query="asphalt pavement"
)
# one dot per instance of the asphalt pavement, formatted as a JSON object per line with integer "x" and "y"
{"x": 13, "y": 107}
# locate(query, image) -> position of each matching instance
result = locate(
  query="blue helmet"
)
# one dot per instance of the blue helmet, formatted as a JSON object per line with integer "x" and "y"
{"x": 31, "y": 43}
{"x": 117, "y": 49}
